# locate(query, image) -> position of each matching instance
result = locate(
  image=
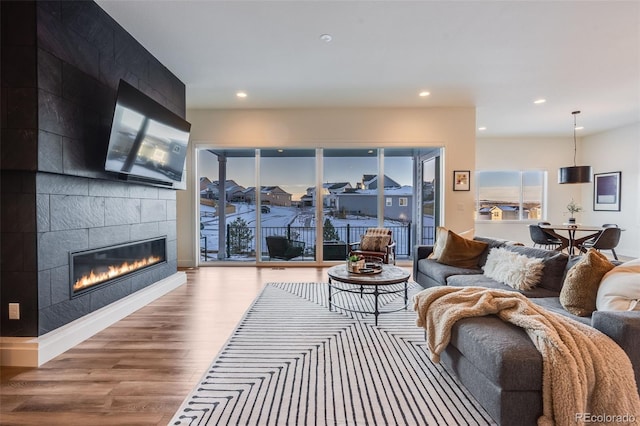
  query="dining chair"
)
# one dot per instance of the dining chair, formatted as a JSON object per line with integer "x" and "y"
{"x": 541, "y": 238}
{"x": 607, "y": 240}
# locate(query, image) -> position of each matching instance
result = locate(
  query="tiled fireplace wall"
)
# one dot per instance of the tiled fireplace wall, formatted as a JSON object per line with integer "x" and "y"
{"x": 61, "y": 64}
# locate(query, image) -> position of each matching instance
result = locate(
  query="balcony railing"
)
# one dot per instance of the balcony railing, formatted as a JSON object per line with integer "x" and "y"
{"x": 240, "y": 241}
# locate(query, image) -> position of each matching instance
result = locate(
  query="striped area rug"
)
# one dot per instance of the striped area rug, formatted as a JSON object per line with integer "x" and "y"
{"x": 291, "y": 361}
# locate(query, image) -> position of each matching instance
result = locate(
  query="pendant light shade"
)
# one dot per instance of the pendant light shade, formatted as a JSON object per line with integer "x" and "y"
{"x": 574, "y": 174}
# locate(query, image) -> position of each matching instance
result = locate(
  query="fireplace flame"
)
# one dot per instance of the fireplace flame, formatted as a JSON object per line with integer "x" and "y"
{"x": 114, "y": 271}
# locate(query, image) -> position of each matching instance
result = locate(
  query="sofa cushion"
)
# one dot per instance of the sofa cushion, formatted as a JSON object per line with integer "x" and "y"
{"x": 553, "y": 304}
{"x": 554, "y": 265}
{"x": 441, "y": 240}
{"x": 620, "y": 288}
{"x": 515, "y": 270}
{"x": 501, "y": 351}
{"x": 491, "y": 243}
{"x": 459, "y": 251}
{"x": 484, "y": 281}
{"x": 440, "y": 272}
{"x": 580, "y": 288}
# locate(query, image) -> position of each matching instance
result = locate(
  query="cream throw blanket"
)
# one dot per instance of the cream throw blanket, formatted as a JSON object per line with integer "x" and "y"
{"x": 584, "y": 371}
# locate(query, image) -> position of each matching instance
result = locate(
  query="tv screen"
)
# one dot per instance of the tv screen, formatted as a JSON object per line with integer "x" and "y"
{"x": 147, "y": 141}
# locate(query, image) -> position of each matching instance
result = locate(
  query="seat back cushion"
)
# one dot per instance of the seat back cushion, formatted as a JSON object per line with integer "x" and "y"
{"x": 554, "y": 265}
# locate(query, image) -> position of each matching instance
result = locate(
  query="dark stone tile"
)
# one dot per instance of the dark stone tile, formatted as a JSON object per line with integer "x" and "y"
{"x": 91, "y": 23}
{"x": 49, "y": 73}
{"x": 19, "y": 287}
{"x": 142, "y": 191}
{"x": 122, "y": 211}
{"x": 109, "y": 235}
{"x": 73, "y": 157}
{"x": 59, "y": 116}
{"x": 18, "y": 213}
{"x": 60, "y": 285}
{"x": 62, "y": 185}
{"x": 19, "y": 66}
{"x": 142, "y": 231}
{"x": 22, "y": 108}
{"x": 153, "y": 210}
{"x": 78, "y": 87}
{"x": 62, "y": 313}
{"x": 12, "y": 257}
{"x": 76, "y": 212}
{"x": 130, "y": 53}
{"x": 105, "y": 295}
{"x": 51, "y": 7}
{"x": 168, "y": 228}
{"x": 105, "y": 188}
{"x": 66, "y": 44}
{"x": 18, "y": 150}
{"x": 44, "y": 289}
{"x": 18, "y": 23}
{"x": 49, "y": 152}
{"x": 54, "y": 247}
{"x": 43, "y": 222}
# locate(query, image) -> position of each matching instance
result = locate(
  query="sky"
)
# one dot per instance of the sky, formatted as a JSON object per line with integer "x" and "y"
{"x": 295, "y": 175}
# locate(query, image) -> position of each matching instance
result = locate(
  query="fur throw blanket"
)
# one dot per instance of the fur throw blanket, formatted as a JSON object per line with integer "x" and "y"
{"x": 584, "y": 371}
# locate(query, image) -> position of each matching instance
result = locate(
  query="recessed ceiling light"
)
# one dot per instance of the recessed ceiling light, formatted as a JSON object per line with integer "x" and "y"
{"x": 424, "y": 94}
{"x": 370, "y": 151}
{"x": 579, "y": 127}
{"x": 482, "y": 129}
{"x": 281, "y": 150}
{"x": 539, "y": 101}
{"x": 241, "y": 94}
{"x": 326, "y": 38}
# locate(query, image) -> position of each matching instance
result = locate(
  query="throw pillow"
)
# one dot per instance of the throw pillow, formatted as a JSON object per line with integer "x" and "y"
{"x": 441, "y": 240}
{"x": 460, "y": 252}
{"x": 513, "y": 269}
{"x": 620, "y": 288}
{"x": 374, "y": 243}
{"x": 580, "y": 287}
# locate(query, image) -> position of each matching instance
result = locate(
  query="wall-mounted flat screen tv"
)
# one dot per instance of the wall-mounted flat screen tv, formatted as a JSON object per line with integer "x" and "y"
{"x": 148, "y": 143}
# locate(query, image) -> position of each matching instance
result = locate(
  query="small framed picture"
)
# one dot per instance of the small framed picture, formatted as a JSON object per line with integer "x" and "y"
{"x": 461, "y": 180}
{"x": 606, "y": 191}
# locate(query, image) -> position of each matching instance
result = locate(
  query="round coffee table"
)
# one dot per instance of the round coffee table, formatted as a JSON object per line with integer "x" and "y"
{"x": 367, "y": 284}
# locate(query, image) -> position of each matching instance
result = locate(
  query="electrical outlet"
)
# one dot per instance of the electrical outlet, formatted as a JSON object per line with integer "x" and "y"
{"x": 14, "y": 311}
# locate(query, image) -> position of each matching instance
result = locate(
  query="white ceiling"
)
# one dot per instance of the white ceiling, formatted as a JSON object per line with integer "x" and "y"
{"x": 498, "y": 56}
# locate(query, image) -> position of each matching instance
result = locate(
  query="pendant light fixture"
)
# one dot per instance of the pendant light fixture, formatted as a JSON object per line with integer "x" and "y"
{"x": 574, "y": 174}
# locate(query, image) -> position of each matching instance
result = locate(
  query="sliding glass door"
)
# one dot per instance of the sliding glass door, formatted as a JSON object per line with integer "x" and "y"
{"x": 290, "y": 205}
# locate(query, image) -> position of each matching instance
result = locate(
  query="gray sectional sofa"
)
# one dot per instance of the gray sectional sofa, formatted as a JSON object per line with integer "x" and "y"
{"x": 496, "y": 361}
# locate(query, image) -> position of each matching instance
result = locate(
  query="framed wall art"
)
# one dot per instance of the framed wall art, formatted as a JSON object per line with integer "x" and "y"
{"x": 606, "y": 191}
{"x": 461, "y": 180}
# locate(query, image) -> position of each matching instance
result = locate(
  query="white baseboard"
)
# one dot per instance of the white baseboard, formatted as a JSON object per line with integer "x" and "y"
{"x": 35, "y": 351}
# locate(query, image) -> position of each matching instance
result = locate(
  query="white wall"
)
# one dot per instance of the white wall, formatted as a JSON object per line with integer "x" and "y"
{"x": 616, "y": 150}
{"x": 451, "y": 128}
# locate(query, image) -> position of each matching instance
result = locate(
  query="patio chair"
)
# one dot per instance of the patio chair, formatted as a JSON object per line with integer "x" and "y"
{"x": 280, "y": 247}
{"x": 607, "y": 240}
{"x": 376, "y": 243}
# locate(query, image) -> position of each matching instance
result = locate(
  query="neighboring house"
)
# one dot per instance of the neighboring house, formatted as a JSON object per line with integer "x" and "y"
{"x": 398, "y": 202}
{"x": 272, "y": 195}
{"x": 233, "y": 191}
{"x": 499, "y": 213}
{"x": 329, "y": 191}
{"x": 371, "y": 182}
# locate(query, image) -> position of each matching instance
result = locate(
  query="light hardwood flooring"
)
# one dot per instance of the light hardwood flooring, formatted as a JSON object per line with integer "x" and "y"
{"x": 138, "y": 371}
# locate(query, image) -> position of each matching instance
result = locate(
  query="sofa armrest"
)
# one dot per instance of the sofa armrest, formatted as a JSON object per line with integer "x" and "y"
{"x": 624, "y": 329}
{"x": 420, "y": 252}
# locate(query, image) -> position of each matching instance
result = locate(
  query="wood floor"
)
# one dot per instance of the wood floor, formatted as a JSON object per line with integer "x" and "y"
{"x": 138, "y": 371}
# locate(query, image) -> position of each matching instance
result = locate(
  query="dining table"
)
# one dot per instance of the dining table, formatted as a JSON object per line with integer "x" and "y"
{"x": 567, "y": 233}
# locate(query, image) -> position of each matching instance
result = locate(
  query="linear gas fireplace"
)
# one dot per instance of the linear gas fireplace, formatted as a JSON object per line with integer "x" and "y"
{"x": 91, "y": 269}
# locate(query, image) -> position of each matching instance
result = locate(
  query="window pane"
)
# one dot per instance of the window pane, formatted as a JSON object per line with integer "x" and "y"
{"x": 285, "y": 176}
{"x": 238, "y": 227}
{"x": 510, "y": 195}
{"x": 349, "y": 205}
